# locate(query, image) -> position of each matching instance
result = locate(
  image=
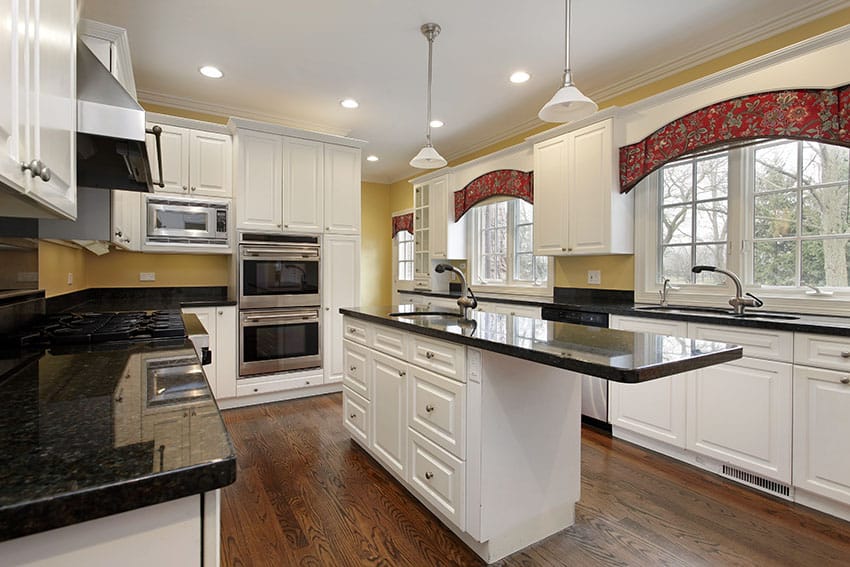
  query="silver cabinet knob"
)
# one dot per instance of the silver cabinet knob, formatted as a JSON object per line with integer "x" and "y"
{"x": 327, "y": 308}
{"x": 307, "y": 382}
{"x": 429, "y": 355}
{"x": 37, "y": 169}
{"x": 845, "y": 380}
{"x": 125, "y": 240}
{"x": 352, "y": 368}
{"x": 193, "y": 188}
{"x": 279, "y": 226}
{"x": 352, "y": 416}
{"x": 429, "y": 475}
{"x": 185, "y": 188}
{"x": 402, "y": 373}
{"x": 286, "y": 226}
{"x": 118, "y": 233}
{"x": 845, "y": 354}
{"x": 327, "y": 228}
{"x": 429, "y": 408}
{"x": 221, "y": 312}
{"x": 563, "y": 249}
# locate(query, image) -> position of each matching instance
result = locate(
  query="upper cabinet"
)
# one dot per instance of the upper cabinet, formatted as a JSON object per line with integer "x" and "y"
{"x": 38, "y": 109}
{"x": 302, "y": 183}
{"x": 197, "y": 158}
{"x": 436, "y": 235}
{"x": 578, "y": 209}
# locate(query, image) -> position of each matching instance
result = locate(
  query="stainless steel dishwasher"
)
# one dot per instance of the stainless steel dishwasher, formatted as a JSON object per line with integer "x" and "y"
{"x": 594, "y": 391}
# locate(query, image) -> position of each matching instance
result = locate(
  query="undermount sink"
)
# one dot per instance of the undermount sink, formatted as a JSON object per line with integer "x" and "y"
{"x": 424, "y": 314}
{"x": 716, "y": 311}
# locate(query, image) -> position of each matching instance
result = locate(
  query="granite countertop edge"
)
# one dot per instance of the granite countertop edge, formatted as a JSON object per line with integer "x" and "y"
{"x": 616, "y": 374}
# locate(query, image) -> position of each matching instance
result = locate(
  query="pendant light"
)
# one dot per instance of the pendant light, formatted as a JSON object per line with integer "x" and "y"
{"x": 568, "y": 104}
{"x": 428, "y": 157}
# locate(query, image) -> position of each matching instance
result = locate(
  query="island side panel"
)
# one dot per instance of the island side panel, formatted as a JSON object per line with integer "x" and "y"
{"x": 530, "y": 477}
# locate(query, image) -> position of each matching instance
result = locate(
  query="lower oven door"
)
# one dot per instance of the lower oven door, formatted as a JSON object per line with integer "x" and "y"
{"x": 277, "y": 340}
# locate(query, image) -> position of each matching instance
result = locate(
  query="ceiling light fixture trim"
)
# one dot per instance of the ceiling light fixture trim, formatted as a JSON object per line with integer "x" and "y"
{"x": 372, "y": 158}
{"x": 428, "y": 157}
{"x": 349, "y": 103}
{"x": 568, "y": 103}
{"x": 210, "y": 71}
{"x": 518, "y": 77}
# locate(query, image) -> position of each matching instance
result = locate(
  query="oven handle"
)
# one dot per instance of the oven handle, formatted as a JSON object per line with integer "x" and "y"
{"x": 283, "y": 255}
{"x": 290, "y": 317}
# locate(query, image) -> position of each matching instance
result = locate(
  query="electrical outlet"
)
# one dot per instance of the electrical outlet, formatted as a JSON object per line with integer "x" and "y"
{"x": 594, "y": 277}
{"x": 70, "y": 278}
{"x": 147, "y": 276}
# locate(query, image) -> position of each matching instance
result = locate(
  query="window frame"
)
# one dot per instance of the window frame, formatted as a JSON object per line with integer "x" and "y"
{"x": 510, "y": 286}
{"x": 400, "y": 285}
{"x": 739, "y": 252}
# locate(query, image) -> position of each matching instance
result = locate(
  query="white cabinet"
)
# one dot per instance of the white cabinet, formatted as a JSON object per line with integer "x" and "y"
{"x": 578, "y": 209}
{"x": 340, "y": 288}
{"x": 654, "y": 409}
{"x": 194, "y": 162}
{"x": 512, "y": 309}
{"x": 303, "y": 174}
{"x": 821, "y": 426}
{"x": 356, "y": 416}
{"x": 127, "y": 220}
{"x": 221, "y": 325}
{"x": 259, "y": 177}
{"x": 389, "y": 411}
{"x": 436, "y": 235}
{"x": 342, "y": 189}
{"x": 38, "y": 109}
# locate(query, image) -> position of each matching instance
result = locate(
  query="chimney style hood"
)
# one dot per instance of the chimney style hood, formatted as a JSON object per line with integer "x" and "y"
{"x": 111, "y": 151}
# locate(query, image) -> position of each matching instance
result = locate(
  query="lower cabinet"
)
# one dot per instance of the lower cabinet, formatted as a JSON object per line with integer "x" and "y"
{"x": 340, "y": 288}
{"x": 437, "y": 476}
{"x": 389, "y": 411}
{"x": 356, "y": 415}
{"x": 221, "y": 325}
{"x": 822, "y": 433}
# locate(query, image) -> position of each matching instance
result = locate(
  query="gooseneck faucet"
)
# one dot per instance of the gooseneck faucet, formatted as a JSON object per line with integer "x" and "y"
{"x": 665, "y": 289}
{"x": 739, "y": 302}
{"x": 463, "y": 301}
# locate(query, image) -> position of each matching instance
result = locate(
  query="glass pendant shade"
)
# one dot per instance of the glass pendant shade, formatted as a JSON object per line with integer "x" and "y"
{"x": 567, "y": 105}
{"x": 428, "y": 158}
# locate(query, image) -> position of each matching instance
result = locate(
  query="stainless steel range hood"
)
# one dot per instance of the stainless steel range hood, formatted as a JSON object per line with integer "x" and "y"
{"x": 111, "y": 151}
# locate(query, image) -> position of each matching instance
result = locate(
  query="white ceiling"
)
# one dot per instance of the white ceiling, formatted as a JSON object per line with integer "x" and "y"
{"x": 292, "y": 61}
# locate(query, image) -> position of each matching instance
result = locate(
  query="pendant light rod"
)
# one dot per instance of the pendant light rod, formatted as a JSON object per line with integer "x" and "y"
{"x": 430, "y": 31}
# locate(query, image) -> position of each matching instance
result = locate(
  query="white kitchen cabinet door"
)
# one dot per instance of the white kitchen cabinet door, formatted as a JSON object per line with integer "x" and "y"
{"x": 654, "y": 409}
{"x": 259, "y": 180}
{"x": 821, "y": 426}
{"x": 740, "y": 413}
{"x": 590, "y": 170}
{"x": 342, "y": 189}
{"x": 210, "y": 164}
{"x": 174, "y": 142}
{"x": 303, "y": 188}
{"x": 13, "y": 92}
{"x": 550, "y": 203}
{"x": 224, "y": 353}
{"x": 207, "y": 317}
{"x": 340, "y": 288}
{"x": 127, "y": 220}
{"x": 389, "y": 411}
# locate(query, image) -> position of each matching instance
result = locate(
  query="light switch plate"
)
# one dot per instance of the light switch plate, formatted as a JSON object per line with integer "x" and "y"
{"x": 147, "y": 276}
{"x": 594, "y": 277}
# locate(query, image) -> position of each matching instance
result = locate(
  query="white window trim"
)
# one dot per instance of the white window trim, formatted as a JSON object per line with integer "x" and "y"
{"x": 473, "y": 235}
{"x": 647, "y": 289}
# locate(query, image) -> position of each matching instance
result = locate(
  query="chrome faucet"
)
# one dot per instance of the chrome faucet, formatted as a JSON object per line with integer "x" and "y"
{"x": 463, "y": 302}
{"x": 739, "y": 302}
{"x": 665, "y": 288}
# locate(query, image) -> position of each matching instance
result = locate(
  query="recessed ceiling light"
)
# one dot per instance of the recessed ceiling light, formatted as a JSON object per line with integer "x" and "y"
{"x": 211, "y": 72}
{"x": 372, "y": 158}
{"x": 520, "y": 77}
{"x": 436, "y": 124}
{"x": 349, "y": 103}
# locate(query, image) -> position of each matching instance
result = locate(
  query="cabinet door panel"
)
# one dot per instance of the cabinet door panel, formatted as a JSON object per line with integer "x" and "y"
{"x": 740, "y": 413}
{"x": 357, "y": 363}
{"x": 340, "y": 288}
{"x": 550, "y": 206}
{"x": 436, "y": 409}
{"x": 342, "y": 189}
{"x": 590, "y": 172}
{"x": 207, "y": 317}
{"x": 174, "y": 142}
{"x": 12, "y": 93}
{"x": 389, "y": 411}
{"x": 226, "y": 331}
{"x": 210, "y": 164}
{"x": 355, "y": 415}
{"x": 303, "y": 191}
{"x": 259, "y": 187}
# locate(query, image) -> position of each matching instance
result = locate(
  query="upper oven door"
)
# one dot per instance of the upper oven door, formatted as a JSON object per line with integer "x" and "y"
{"x": 278, "y": 276}
{"x": 181, "y": 220}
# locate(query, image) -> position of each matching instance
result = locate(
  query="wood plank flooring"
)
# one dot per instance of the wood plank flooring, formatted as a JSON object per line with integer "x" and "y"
{"x": 306, "y": 495}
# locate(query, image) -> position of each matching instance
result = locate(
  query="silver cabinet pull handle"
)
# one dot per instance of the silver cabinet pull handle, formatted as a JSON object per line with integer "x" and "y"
{"x": 429, "y": 475}
{"x": 429, "y": 408}
{"x": 429, "y": 355}
{"x": 845, "y": 380}
{"x": 845, "y": 354}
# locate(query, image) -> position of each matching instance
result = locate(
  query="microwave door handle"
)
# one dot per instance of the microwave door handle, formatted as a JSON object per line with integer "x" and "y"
{"x": 157, "y": 132}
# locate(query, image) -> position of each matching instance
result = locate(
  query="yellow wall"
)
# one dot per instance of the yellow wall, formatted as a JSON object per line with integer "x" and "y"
{"x": 55, "y": 262}
{"x": 376, "y": 245}
{"x": 121, "y": 269}
{"x": 401, "y": 196}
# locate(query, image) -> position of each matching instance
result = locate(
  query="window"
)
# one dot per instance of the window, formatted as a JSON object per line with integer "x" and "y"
{"x": 404, "y": 255}
{"x": 502, "y": 245}
{"x": 776, "y": 212}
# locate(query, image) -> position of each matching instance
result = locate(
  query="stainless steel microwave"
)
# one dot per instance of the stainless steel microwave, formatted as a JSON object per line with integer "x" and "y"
{"x": 186, "y": 221}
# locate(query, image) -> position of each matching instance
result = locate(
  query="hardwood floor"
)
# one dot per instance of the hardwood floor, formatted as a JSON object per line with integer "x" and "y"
{"x": 307, "y": 495}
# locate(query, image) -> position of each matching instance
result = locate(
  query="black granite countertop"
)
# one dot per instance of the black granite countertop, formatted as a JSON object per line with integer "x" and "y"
{"x": 621, "y": 356}
{"x": 139, "y": 299}
{"x": 87, "y": 434}
{"x": 600, "y": 303}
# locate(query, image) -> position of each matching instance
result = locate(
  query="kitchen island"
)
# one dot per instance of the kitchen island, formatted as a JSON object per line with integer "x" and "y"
{"x": 480, "y": 418}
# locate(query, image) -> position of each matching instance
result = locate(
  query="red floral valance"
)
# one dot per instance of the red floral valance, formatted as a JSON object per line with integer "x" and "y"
{"x": 508, "y": 182}
{"x": 821, "y": 115}
{"x": 403, "y": 222}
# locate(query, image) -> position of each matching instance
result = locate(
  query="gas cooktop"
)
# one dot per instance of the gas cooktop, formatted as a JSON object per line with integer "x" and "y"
{"x": 98, "y": 328}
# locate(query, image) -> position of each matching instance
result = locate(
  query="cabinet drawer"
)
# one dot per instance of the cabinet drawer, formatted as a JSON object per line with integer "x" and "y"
{"x": 355, "y": 415}
{"x": 757, "y": 343}
{"x": 437, "y": 477}
{"x": 657, "y": 326}
{"x": 356, "y": 330}
{"x": 442, "y": 357}
{"x": 355, "y": 362}
{"x": 275, "y": 385}
{"x": 822, "y": 350}
{"x": 436, "y": 410}
{"x": 390, "y": 341}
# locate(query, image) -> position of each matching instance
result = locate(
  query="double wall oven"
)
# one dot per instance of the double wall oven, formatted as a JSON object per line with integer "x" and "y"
{"x": 279, "y": 299}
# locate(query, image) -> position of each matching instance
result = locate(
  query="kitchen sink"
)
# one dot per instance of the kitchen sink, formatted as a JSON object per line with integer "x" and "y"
{"x": 716, "y": 311}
